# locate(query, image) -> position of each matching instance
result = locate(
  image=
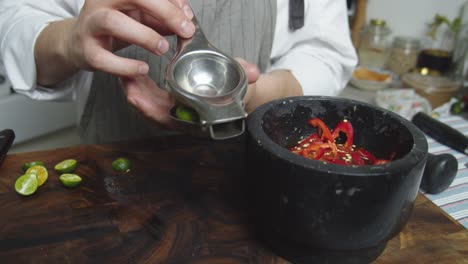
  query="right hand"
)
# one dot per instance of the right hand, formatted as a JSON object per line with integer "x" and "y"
{"x": 105, "y": 26}
{"x": 155, "y": 103}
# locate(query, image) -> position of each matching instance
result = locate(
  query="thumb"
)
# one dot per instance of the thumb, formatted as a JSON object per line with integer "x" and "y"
{"x": 252, "y": 71}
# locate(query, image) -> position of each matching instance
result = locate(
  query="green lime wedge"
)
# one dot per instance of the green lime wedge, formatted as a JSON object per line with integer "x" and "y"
{"x": 28, "y": 165}
{"x": 121, "y": 164}
{"x": 186, "y": 114}
{"x": 26, "y": 184}
{"x": 66, "y": 166}
{"x": 70, "y": 180}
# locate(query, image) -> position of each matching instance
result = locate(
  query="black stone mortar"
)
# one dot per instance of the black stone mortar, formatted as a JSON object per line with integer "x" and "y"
{"x": 310, "y": 211}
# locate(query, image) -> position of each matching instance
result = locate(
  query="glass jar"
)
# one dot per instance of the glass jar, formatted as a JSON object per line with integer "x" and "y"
{"x": 436, "y": 56}
{"x": 403, "y": 55}
{"x": 374, "y": 46}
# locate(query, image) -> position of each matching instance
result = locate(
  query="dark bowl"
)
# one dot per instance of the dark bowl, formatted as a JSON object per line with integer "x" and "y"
{"x": 313, "y": 211}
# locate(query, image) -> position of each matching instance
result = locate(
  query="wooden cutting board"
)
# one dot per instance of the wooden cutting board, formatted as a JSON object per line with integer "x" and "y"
{"x": 181, "y": 202}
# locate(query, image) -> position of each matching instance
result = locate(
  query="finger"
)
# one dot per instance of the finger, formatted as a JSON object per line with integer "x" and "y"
{"x": 155, "y": 24}
{"x": 103, "y": 60}
{"x": 252, "y": 71}
{"x": 136, "y": 97}
{"x": 178, "y": 3}
{"x": 185, "y": 6}
{"x": 149, "y": 21}
{"x": 149, "y": 99}
{"x": 165, "y": 11}
{"x": 249, "y": 94}
{"x": 119, "y": 25}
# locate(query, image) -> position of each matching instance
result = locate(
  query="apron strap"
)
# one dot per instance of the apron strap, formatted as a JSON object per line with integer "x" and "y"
{"x": 296, "y": 14}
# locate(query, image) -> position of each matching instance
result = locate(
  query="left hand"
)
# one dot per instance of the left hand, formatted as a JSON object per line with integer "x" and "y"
{"x": 152, "y": 101}
{"x": 253, "y": 73}
{"x": 156, "y": 103}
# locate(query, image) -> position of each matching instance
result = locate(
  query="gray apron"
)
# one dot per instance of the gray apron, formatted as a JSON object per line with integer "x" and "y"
{"x": 241, "y": 28}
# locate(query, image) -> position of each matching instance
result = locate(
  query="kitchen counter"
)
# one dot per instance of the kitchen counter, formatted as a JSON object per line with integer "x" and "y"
{"x": 182, "y": 202}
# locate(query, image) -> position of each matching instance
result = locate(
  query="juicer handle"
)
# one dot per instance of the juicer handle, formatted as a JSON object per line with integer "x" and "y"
{"x": 226, "y": 130}
{"x": 197, "y": 42}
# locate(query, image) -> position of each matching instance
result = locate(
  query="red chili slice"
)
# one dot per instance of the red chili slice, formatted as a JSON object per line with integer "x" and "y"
{"x": 346, "y": 128}
{"x": 316, "y": 148}
{"x": 324, "y": 132}
{"x": 366, "y": 155}
{"x": 322, "y": 146}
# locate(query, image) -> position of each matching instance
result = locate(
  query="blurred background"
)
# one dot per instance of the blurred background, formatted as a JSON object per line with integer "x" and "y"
{"x": 38, "y": 125}
{"x": 419, "y": 43}
{"x": 415, "y": 50}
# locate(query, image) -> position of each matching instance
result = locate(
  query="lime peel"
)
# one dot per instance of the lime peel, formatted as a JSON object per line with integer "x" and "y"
{"x": 29, "y": 164}
{"x": 187, "y": 114}
{"x": 66, "y": 166}
{"x": 70, "y": 180}
{"x": 121, "y": 164}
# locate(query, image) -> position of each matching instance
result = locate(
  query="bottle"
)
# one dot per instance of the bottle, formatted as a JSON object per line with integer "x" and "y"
{"x": 374, "y": 47}
{"x": 436, "y": 56}
{"x": 403, "y": 55}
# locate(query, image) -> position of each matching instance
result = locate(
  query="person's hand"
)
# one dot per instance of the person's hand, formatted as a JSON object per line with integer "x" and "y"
{"x": 155, "y": 103}
{"x": 152, "y": 101}
{"x": 104, "y": 26}
{"x": 271, "y": 86}
{"x": 253, "y": 73}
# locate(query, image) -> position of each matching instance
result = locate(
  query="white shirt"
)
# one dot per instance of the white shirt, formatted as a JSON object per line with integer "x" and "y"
{"x": 320, "y": 55}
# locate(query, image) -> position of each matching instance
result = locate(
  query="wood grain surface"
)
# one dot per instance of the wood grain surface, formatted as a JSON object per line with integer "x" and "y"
{"x": 182, "y": 202}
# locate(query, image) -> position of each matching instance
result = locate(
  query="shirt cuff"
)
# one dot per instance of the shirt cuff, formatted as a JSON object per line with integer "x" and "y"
{"x": 18, "y": 51}
{"x": 62, "y": 91}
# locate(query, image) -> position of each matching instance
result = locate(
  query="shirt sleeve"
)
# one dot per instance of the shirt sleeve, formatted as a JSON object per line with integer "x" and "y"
{"x": 21, "y": 21}
{"x": 320, "y": 55}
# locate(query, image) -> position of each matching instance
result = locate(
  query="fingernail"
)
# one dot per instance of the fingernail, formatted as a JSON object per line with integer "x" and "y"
{"x": 188, "y": 11}
{"x": 143, "y": 69}
{"x": 187, "y": 28}
{"x": 163, "y": 46}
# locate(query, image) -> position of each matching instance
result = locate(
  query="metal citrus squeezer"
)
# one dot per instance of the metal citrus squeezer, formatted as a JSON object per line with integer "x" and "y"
{"x": 210, "y": 82}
